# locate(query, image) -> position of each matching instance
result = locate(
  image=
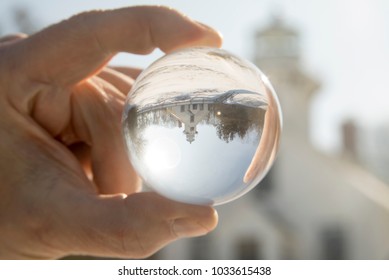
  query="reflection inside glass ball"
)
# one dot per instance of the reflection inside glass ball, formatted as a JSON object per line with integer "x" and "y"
{"x": 202, "y": 126}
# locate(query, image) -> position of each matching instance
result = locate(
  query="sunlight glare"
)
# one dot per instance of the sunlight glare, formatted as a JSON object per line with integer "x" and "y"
{"x": 163, "y": 154}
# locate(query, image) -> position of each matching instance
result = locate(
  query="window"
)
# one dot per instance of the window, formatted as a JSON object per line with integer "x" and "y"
{"x": 333, "y": 243}
{"x": 199, "y": 249}
{"x": 194, "y": 106}
{"x": 201, "y": 107}
{"x": 182, "y": 108}
{"x": 248, "y": 249}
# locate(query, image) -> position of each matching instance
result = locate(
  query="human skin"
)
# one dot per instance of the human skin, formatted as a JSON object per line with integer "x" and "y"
{"x": 268, "y": 146}
{"x": 66, "y": 184}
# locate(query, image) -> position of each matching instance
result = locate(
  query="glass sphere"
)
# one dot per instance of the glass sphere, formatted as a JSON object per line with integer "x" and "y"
{"x": 202, "y": 126}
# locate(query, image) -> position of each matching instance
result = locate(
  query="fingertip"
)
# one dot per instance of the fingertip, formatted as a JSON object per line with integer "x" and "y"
{"x": 187, "y": 31}
{"x": 195, "y": 35}
{"x": 248, "y": 176}
{"x": 196, "y": 226}
{"x": 187, "y": 228}
{"x": 214, "y": 219}
{"x": 215, "y": 37}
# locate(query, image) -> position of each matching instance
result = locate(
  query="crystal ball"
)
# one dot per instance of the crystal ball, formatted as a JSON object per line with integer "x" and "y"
{"x": 202, "y": 126}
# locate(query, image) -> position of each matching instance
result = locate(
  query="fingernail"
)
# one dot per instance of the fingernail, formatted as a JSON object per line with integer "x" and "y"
{"x": 188, "y": 228}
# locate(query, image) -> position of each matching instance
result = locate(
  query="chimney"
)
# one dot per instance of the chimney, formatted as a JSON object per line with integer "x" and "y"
{"x": 349, "y": 135}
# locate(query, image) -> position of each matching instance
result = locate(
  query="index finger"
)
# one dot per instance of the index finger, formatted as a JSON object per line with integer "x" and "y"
{"x": 268, "y": 146}
{"x": 68, "y": 52}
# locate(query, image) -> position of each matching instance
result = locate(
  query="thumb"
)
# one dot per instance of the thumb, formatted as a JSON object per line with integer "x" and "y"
{"x": 138, "y": 225}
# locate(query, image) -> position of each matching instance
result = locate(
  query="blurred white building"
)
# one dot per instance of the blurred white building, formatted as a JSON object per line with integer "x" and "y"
{"x": 372, "y": 148}
{"x": 311, "y": 205}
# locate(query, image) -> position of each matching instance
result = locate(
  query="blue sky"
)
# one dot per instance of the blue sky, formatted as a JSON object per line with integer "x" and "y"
{"x": 345, "y": 45}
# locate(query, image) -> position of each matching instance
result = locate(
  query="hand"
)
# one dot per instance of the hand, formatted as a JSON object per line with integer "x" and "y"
{"x": 66, "y": 185}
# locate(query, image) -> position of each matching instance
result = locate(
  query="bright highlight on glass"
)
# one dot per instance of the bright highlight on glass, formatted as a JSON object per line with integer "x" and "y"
{"x": 202, "y": 126}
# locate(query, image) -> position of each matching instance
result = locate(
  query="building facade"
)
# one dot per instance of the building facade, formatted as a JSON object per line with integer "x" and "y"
{"x": 310, "y": 205}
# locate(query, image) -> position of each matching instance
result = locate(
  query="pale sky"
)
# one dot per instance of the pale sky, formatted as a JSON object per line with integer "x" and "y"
{"x": 345, "y": 45}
